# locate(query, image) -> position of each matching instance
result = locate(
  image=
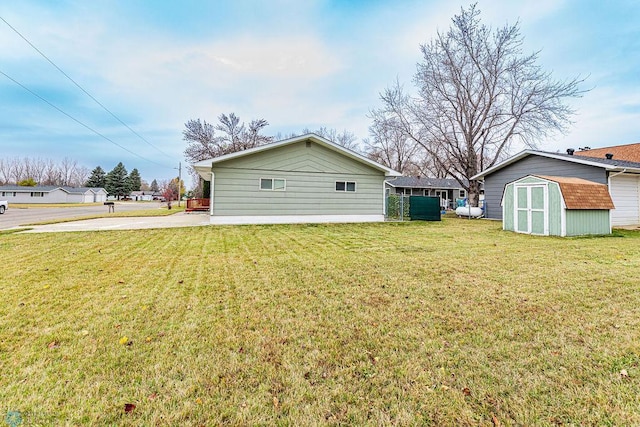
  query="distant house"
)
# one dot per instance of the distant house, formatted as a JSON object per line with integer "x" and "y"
{"x": 448, "y": 190}
{"x": 52, "y": 194}
{"x": 141, "y": 195}
{"x": 621, "y": 176}
{"x": 303, "y": 179}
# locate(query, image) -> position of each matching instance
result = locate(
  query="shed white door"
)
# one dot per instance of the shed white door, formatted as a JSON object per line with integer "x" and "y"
{"x": 530, "y": 209}
{"x": 625, "y": 190}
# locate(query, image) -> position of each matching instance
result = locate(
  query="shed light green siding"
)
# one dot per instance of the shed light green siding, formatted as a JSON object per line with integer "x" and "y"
{"x": 507, "y": 200}
{"x": 310, "y": 171}
{"x": 583, "y": 221}
{"x": 554, "y": 209}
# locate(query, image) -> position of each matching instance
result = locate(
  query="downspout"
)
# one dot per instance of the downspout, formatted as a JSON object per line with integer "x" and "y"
{"x": 616, "y": 174}
{"x": 384, "y": 198}
{"x": 213, "y": 178}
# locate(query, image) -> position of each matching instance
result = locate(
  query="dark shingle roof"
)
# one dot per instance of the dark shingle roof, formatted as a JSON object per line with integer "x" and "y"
{"x": 422, "y": 182}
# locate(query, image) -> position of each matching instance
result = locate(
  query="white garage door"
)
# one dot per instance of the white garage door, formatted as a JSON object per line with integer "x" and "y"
{"x": 625, "y": 190}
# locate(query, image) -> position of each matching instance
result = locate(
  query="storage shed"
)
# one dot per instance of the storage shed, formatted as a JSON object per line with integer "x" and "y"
{"x": 556, "y": 206}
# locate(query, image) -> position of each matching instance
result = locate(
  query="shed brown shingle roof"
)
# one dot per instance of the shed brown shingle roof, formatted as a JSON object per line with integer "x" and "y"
{"x": 579, "y": 193}
{"x": 630, "y": 152}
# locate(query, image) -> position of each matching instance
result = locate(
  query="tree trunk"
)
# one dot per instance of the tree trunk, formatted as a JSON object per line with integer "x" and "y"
{"x": 474, "y": 193}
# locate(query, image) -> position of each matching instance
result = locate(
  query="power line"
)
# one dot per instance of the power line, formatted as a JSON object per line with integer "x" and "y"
{"x": 81, "y": 88}
{"x": 78, "y": 121}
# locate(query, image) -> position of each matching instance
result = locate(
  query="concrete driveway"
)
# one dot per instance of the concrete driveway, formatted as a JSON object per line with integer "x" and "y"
{"x": 182, "y": 219}
{"x": 15, "y": 217}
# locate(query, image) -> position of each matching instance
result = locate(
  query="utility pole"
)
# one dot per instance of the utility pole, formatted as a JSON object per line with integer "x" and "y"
{"x": 179, "y": 181}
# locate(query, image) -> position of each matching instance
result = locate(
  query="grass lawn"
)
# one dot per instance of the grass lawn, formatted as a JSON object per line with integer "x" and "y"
{"x": 451, "y": 323}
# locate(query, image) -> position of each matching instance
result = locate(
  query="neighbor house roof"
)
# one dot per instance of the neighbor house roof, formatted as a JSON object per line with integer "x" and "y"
{"x": 628, "y": 152}
{"x": 423, "y": 182}
{"x": 580, "y": 193}
{"x": 613, "y": 164}
{"x": 204, "y": 167}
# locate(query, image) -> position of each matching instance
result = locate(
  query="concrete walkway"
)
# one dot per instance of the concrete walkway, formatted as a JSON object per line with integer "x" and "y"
{"x": 182, "y": 219}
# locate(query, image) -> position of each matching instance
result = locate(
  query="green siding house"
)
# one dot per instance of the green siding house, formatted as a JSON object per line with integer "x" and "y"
{"x": 303, "y": 179}
{"x": 556, "y": 206}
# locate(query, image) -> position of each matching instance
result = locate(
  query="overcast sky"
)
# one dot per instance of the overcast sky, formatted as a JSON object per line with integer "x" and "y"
{"x": 298, "y": 64}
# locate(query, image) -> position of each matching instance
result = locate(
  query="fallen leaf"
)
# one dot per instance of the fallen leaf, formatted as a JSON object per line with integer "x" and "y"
{"x": 129, "y": 407}
{"x": 495, "y": 421}
{"x": 84, "y": 332}
{"x": 180, "y": 281}
{"x": 199, "y": 401}
{"x": 124, "y": 340}
{"x": 148, "y": 339}
{"x": 54, "y": 344}
{"x": 46, "y": 286}
{"x": 276, "y": 402}
{"x": 624, "y": 373}
{"x": 153, "y": 396}
{"x": 466, "y": 391}
{"x": 121, "y": 281}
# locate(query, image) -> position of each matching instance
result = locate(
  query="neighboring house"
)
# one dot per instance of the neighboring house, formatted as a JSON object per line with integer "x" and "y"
{"x": 556, "y": 206}
{"x": 141, "y": 195}
{"x": 448, "y": 190}
{"x": 303, "y": 179}
{"x": 52, "y": 194}
{"x": 621, "y": 176}
{"x": 628, "y": 152}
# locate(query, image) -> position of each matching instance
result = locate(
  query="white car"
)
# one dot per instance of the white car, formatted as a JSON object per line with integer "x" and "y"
{"x": 4, "y": 205}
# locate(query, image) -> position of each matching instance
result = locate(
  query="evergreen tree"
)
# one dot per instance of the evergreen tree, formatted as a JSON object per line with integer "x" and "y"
{"x": 98, "y": 178}
{"x": 134, "y": 180}
{"x": 154, "y": 186}
{"x": 117, "y": 183}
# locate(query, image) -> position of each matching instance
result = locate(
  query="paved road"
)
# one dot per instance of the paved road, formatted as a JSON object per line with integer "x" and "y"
{"x": 15, "y": 217}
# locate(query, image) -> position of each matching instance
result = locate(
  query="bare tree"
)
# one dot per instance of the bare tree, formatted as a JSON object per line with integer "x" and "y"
{"x": 5, "y": 171}
{"x": 51, "y": 174}
{"x": 80, "y": 176}
{"x": 390, "y": 145}
{"x": 203, "y": 142}
{"x": 17, "y": 170}
{"x": 477, "y": 94}
{"x": 67, "y": 169}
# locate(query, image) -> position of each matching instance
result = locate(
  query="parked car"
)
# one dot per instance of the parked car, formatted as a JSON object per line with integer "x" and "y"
{"x": 4, "y": 205}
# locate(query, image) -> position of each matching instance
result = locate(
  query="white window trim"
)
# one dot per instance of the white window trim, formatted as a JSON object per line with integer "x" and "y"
{"x": 355, "y": 187}
{"x": 272, "y": 184}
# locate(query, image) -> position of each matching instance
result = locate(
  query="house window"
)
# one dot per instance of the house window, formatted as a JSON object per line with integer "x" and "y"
{"x": 273, "y": 184}
{"x": 349, "y": 186}
{"x": 463, "y": 193}
{"x": 407, "y": 191}
{"x": 37, "y": 194}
